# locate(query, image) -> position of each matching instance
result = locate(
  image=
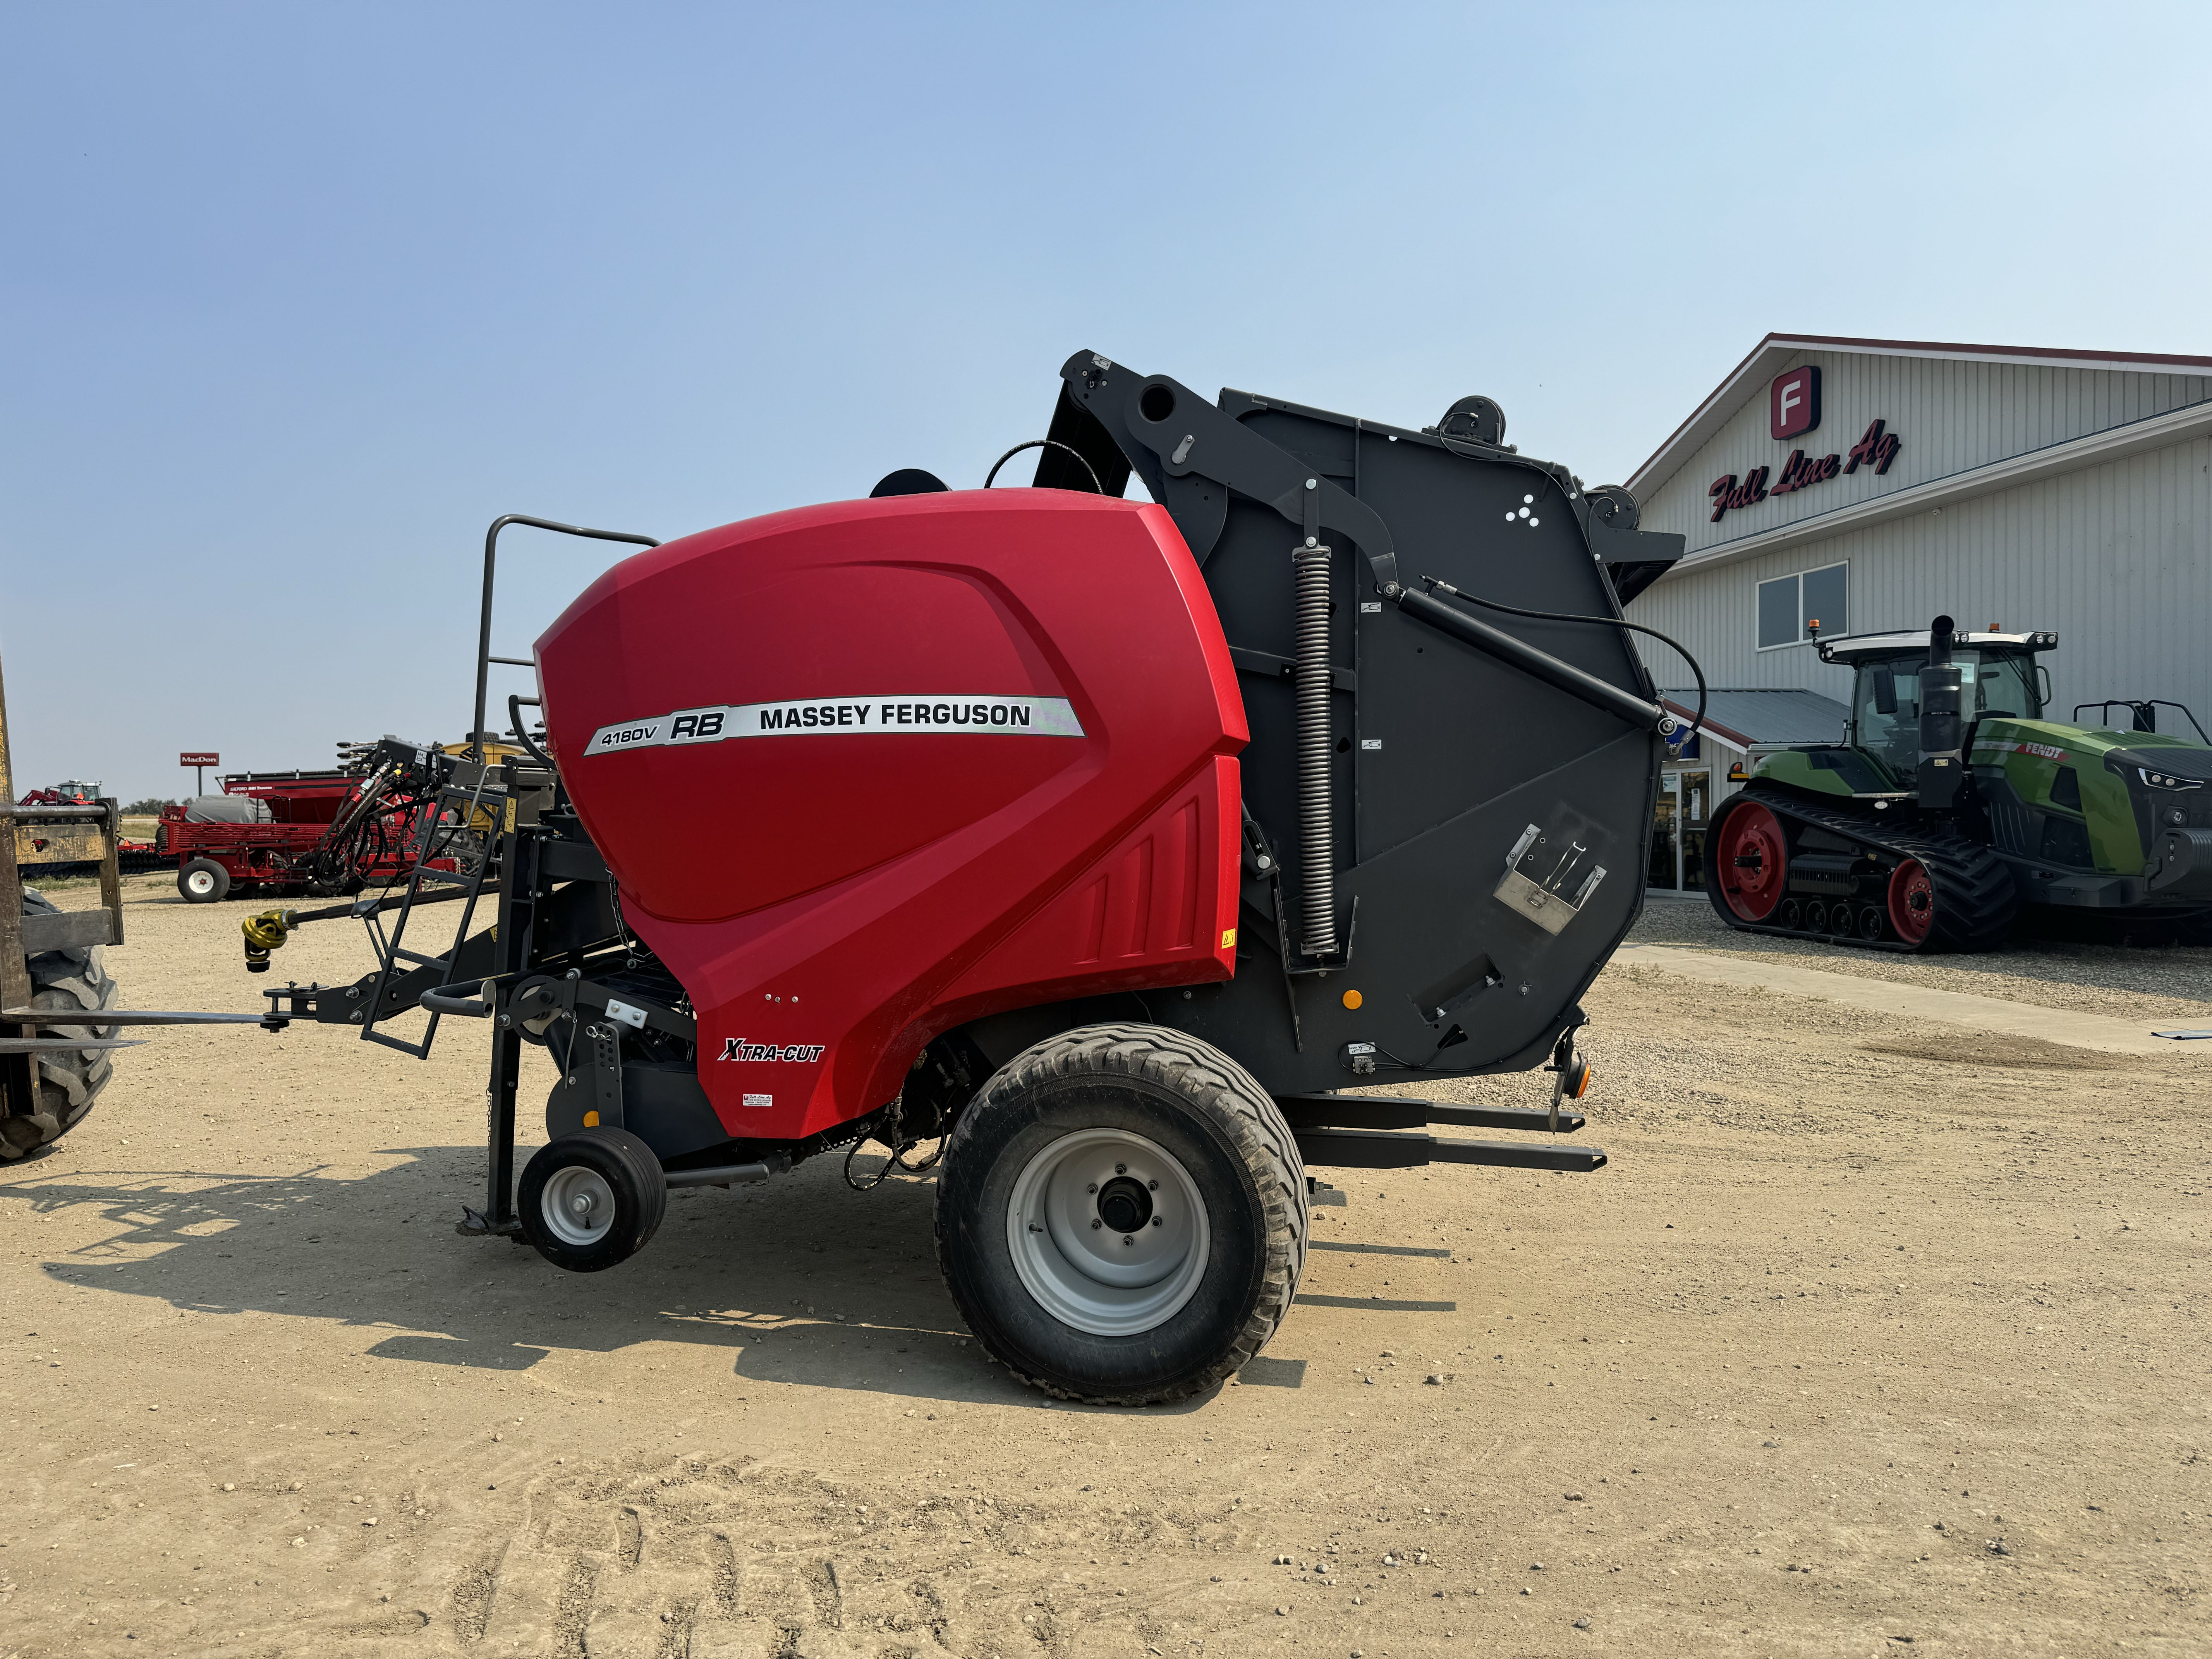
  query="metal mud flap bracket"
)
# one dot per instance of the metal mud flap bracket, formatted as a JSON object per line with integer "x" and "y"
{"x": 1551, "y": 874}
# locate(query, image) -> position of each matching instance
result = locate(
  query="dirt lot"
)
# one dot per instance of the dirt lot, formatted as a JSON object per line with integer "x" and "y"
{"x": 1877, "y": 1337}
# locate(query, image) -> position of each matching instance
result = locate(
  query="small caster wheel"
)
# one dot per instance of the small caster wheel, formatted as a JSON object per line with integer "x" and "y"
{"x": 592, "y": 1198}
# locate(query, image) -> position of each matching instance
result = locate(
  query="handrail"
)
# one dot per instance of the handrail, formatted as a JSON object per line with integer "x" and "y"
{"x": 477, "y": 1007}
{"x": 483, "y": 628}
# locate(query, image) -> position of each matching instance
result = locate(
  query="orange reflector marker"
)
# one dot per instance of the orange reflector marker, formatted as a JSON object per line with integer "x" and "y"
{"x": 590, "y": 1120}
{"x": 1352, "y": 999}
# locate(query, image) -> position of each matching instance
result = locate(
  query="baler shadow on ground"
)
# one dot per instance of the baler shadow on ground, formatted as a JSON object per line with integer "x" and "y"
{"x": 803, "y": 1282}
{"x": 757, "y": 1272}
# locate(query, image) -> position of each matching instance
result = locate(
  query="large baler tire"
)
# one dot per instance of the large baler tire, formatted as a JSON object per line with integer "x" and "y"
{"x": 65, "y": 983}
{"x": 1122, "y": 1216}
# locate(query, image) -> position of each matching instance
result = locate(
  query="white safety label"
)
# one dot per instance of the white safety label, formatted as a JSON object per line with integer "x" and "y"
{"x": 1031, "y": 717}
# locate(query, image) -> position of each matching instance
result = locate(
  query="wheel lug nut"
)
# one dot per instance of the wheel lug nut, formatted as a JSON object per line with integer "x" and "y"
{"x": 1092, "y": 1188}
{"x": 1096, "y": 1224}
{"x": 1154, "y": 1185}
{"x": 1157, "y": 1222}
{"x": 1126, "y": 1239}
{"x": 1121, "y": 1168}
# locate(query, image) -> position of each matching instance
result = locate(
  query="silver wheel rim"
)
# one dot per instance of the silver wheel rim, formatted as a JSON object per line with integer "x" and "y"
{"x": 578, "y": 1206}
{"x": 1109, "y": 1279}
{"x": 200, "y": 882}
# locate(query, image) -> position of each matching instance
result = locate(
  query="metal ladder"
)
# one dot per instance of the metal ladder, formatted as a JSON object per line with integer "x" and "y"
{"x": 394, "y": 958}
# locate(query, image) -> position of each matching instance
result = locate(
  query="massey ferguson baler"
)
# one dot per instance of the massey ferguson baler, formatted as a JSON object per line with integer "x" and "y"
{"x": 1109, "y": 841}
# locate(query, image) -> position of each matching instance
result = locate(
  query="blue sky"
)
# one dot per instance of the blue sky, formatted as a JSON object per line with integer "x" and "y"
{"x": 297, "y": 298}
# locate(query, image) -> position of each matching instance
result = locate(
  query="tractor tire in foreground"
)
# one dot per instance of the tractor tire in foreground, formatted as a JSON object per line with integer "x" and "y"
{"x": 1779, "y": 863}
{"x": 592, "y": 1198}
{"x": 1122, "y": 1216}
{"x": 71, "y": 984}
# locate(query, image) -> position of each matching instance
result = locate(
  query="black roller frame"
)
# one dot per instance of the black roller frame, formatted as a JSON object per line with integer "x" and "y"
{"x": 1449, "y": 749}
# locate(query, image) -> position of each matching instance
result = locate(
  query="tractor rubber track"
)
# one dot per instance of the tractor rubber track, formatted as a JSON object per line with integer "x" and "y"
{"x": 1975, "y": 899}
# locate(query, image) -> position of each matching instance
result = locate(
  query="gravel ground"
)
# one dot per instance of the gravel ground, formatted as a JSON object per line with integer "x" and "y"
{"x": 1867, "y": 1334}
{"x": 2164, "y": 983}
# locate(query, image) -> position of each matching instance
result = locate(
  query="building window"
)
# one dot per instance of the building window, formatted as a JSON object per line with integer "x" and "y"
{"x": 1778, "y": 613}
{"x": 1787, "y": 604}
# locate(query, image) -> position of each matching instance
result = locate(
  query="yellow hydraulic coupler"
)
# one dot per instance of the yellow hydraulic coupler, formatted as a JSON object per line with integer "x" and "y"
{"x": 265, "y": 932}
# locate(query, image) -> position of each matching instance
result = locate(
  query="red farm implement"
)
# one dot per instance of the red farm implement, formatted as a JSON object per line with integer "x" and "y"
{"x": 324, "y": 833}
{"x": 1112, "y": 844}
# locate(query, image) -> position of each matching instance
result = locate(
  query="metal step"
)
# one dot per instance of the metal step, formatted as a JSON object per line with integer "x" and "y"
{"x": 1374, "y": 1149}
{"x": 1392, "y": 1112}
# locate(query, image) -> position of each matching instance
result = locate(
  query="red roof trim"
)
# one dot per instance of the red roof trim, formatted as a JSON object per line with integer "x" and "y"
{"x": 1711, "y": 725}
{"x": 1855, "y": 343}
{"x": 1726, "y": 380}
{"x": 1985, "y": 350}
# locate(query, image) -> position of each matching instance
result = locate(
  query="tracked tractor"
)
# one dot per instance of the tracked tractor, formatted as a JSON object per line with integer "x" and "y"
{"x": 1112, "y": 845}
{"x": 1954, "y": 803}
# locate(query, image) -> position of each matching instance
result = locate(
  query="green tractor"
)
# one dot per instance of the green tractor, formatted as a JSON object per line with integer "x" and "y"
{"x": 1953, "y": 802}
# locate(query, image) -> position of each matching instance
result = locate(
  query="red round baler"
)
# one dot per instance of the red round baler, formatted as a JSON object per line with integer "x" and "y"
{"x": 1111, "y": 845}
{"x": 935, "y": 757}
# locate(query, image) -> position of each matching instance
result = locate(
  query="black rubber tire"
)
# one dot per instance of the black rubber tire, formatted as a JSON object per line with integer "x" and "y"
{"x": 1193, "y": 1100}
{"x": 631, "y": 1171}
{"x": 68, "y": 982}
{"x": 211, "y": 877}
{"x": 1976, "y": 900}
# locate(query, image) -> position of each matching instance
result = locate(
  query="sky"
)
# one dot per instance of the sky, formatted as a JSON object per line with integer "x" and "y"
{"x": 294, "y": 299}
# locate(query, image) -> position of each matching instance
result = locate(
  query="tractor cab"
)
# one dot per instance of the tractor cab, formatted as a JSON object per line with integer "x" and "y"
{"x": 1999, "y": 678}
{"x": 1956, "y": 797}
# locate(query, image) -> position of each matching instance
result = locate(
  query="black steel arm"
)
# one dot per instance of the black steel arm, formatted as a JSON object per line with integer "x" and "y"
{"x": 1191, "y": 454}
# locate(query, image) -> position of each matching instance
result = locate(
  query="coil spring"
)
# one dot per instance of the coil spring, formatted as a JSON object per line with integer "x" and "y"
{"x": 1309, "y": 567}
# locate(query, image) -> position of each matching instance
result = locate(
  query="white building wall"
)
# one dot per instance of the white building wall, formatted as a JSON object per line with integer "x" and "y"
{"x": 2117, "y": 558}
{"x": 1949, "y": 416}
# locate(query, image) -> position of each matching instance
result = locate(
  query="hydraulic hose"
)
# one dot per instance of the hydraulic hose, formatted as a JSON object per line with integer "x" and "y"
{"x": 1309, "y": 569}
{"x": 1545, "y": 666}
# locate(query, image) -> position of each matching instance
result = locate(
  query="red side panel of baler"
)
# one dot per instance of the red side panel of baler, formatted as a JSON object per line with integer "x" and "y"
{"x": 868, "y": 769}
{"x": 1157, "y": 897}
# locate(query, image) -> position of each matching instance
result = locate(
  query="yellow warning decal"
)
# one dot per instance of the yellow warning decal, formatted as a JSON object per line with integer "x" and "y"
{"x": 510, "y": 815}
{"x": 1228, "y": 937}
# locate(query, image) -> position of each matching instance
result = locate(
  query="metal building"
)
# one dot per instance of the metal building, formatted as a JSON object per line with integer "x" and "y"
{"x": 1871, "y": 484}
